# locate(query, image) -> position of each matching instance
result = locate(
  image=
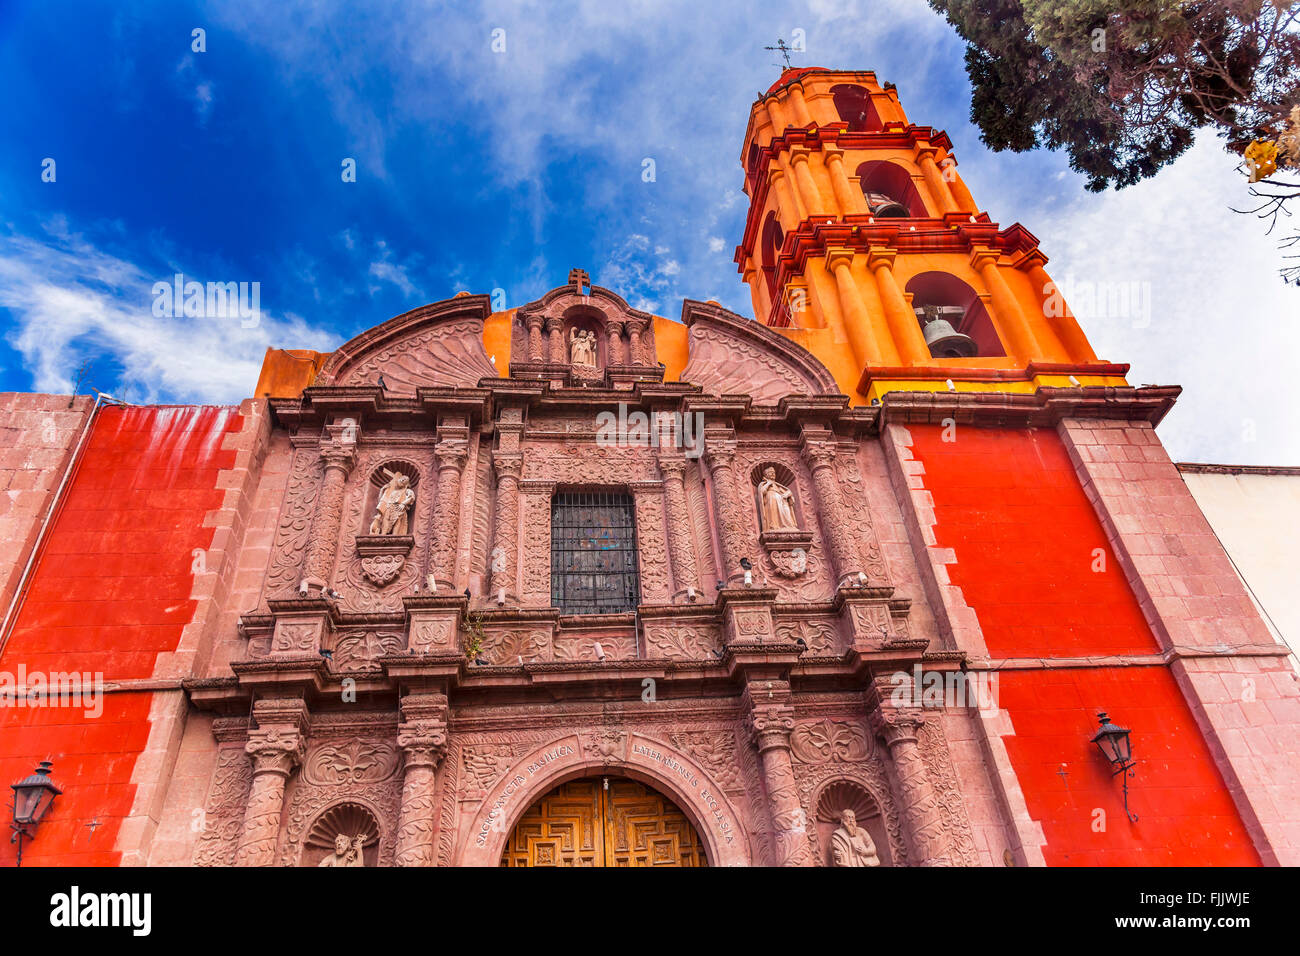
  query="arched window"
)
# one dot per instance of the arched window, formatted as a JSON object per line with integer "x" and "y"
{"x": 854, "y": 106}
{"x": 890, "y": 191}
{"x": 955, "y": 322}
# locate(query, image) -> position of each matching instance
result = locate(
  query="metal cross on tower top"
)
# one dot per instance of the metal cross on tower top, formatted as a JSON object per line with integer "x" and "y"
{"x": 785, "y": 50}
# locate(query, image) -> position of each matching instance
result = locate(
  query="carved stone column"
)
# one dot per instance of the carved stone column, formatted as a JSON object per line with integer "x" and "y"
{"x": 900, "y": 728}
{"x": 634, "y": 330}
{"x": 720, "y": 455}
{"x": 681, "y": 547}
{"x": 276, "y": 748}
{"x": 450, "y": 453}
{"x": 505, "y": 540}
{"x": 850, "y": 199}
{"x": 536, "y": 352}
{"x": 857, "y": 321}
{"x": 934, "y": 179}
{"x": 422, "y": 735}
{"x": 338, "y": 450}
{"x": 837, "y": 529}
{"x": 903, "y": 325}
{"x": 555, "y": 329}
{"x": 1008, "y": 316}
{"x": 771, "y": 721}
{"x": 800, "y": 157}
{"x": 615, "y": 343}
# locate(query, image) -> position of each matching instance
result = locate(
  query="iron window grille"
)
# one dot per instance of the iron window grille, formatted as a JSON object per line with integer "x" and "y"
{"x": 593, "y": 553}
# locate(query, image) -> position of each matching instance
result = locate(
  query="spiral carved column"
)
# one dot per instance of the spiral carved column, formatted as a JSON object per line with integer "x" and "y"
{"x": 338, "y": 451}
{"x": 900, "y": 728}
{"x": 720, "y": 455}
{"x": 505, "y": 540}
{"x": 422, "y": 735}
{"x": 681, "y": 549}
{"x": 276, "y": 748}
{"x": 450, "y": 454}
{"x": 771, "y": 722}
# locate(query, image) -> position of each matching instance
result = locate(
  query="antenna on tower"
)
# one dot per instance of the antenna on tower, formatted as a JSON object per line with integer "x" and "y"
{"x": 785, "y": 50}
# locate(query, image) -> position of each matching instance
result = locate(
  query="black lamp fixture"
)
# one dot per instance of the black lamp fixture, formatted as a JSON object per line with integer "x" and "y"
{"x": 33, "y": 797}
{"x": 1113, "y": 742}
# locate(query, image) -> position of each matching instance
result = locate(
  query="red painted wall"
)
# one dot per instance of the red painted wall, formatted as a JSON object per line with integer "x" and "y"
{"x": 111, "y": 592}
{"x": 1010, "y": 506}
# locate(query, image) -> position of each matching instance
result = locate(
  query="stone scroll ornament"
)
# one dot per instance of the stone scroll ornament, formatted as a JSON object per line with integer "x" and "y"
{"x": 733, "y": 355}
{"x": 436, "y": 345}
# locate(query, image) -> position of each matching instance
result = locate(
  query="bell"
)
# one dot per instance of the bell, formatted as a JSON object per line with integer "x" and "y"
{"x": 946, "y": 342}
{"x": 886, "y": 206}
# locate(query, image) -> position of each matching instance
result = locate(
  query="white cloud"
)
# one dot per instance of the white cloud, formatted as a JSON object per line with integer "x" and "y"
{"x": 71, "y": 302}
{"x": 1222, "y": 324}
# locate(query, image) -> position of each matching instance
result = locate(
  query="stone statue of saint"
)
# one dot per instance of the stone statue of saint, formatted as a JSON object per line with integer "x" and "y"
{"x": 851, "y": 845}
{"x": 347, "y": 851}
{"x": 776, "y": 503}
{"x": 395, "y": 501}
{"x": 582, "y": 347}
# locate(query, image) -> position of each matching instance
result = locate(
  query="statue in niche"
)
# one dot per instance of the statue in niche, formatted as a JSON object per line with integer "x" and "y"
{"x": 582, "y": 347}
{"x": 347, "y": 851}
{"x": 394, "y": 503}
{"x": 851, "y": 845}
{"x": 776, "y": 503}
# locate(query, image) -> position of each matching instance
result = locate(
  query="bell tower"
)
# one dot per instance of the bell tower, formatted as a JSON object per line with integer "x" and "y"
{"x": 863, "y": 244}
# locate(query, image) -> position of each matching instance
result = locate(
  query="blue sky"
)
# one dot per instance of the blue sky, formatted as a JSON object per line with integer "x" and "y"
{"x": 480, "y": 170}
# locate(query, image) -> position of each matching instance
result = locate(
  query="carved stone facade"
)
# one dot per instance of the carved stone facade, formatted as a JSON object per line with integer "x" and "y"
{"x": 410, "y": 689}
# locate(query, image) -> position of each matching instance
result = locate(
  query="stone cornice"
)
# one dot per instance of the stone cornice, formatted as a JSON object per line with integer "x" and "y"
{"x": 1043, "y": 408}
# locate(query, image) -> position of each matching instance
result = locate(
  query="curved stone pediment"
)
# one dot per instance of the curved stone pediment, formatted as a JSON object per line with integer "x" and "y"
{"x": 436, "y": 345}
{"x": 732, "y": 355}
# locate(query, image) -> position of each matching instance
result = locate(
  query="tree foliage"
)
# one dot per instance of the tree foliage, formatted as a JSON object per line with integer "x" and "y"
{"x": 1123, "y": 85}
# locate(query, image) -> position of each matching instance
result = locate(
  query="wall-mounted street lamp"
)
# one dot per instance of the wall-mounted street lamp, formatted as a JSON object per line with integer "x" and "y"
{"x": 1112, "y": 740}
{"x": 33, "y": 797}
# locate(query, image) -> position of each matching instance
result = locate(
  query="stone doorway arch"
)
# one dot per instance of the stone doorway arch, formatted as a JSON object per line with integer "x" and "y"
{"x": 661, "y": 767}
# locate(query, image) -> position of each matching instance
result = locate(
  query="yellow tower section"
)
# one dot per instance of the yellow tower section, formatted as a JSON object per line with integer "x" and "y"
{"x": 863, "y": 244}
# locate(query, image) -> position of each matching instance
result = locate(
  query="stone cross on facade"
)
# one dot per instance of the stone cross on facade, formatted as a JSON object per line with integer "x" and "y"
{"x": 579, "y": 278}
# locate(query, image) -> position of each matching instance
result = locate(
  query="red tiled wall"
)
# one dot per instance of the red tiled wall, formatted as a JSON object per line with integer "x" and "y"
{"x": 1010, "y": 506}
{"x": 111, "y": 592}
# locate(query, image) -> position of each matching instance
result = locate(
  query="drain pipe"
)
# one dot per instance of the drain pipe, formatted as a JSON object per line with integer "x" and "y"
{"x": 47, "y": 522}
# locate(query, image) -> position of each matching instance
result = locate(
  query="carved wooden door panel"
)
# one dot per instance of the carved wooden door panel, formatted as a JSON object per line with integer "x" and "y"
{"x": 582, "y": 823}
{"x": 643, "y": 828}
{"x": 564, "y": 828}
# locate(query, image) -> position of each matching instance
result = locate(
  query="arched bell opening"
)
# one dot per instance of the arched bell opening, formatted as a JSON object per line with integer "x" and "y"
{"x": 604, "y": 820}
{"x": 853, "y": 105}
{"x": 953, "y": 318}
{"x": 773, "y": 239}
{"x": 889, "y": 191}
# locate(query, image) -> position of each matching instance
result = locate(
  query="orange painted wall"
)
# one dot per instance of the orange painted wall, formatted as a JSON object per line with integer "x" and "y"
{"x": 1010, "y": 506}
{"x": 111, "y": 592}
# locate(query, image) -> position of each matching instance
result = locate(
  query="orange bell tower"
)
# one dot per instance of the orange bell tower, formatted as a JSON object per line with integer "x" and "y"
{"x": 863, "y": 244}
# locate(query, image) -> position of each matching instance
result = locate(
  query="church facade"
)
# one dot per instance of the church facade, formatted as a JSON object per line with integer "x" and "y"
{"x": 846, "y": 584}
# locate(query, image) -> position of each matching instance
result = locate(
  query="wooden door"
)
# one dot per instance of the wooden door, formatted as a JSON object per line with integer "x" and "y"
{"x": 609, "y": 821}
